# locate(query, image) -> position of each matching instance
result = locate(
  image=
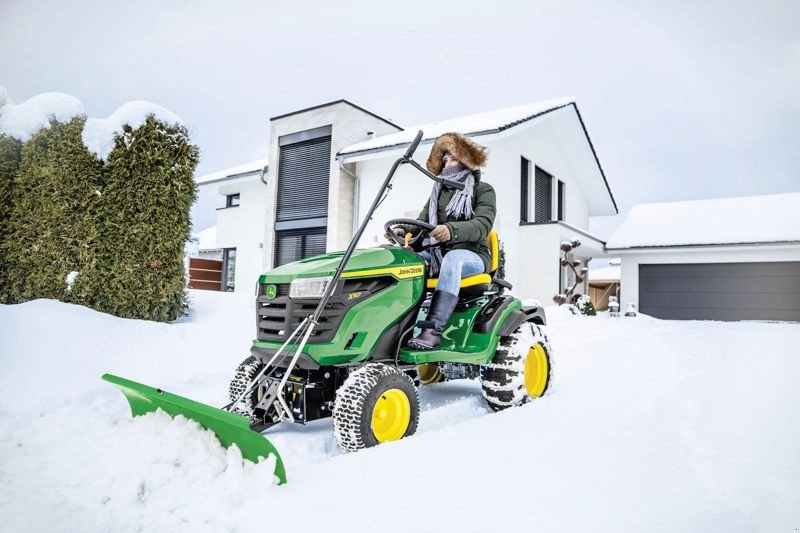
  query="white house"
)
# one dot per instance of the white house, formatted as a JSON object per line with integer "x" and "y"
{"x": 329, "y": 160}
{"x": 723, "y": 259}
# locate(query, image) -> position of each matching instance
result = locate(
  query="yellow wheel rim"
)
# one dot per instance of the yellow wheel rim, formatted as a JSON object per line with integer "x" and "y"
{"x": 391, "y": 415}
{"x": 429, "y": 373}
{"x": 536, "y": 370}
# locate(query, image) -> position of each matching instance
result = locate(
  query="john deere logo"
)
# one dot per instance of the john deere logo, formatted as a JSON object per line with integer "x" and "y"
{"x": 272, "y": 291}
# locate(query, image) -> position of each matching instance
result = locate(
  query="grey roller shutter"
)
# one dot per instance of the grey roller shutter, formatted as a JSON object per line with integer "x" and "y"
{"x": 298, "y": 244}
{"x": 721, "y": 291}
{"x": 303, "y": 178}
{"x": 524, "y": 189}
{"x": 543, "y": 196}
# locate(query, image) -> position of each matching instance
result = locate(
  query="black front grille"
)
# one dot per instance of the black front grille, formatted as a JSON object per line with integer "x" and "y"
{"x": 278, "y": 317}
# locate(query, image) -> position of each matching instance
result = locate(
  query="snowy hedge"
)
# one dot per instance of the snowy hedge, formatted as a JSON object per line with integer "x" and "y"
{"x": 148, "y": 192}
{"x": 109, "y": 235}
{"x": 10, "y": 153}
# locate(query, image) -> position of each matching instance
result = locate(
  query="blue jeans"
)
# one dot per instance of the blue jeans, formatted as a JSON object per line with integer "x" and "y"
{"x": 456, "y": 264}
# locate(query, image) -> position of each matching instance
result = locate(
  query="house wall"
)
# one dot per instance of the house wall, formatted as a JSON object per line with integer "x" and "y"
{"x": 629, "y": 278}
{"x": 242, "y": 228}
{"x": 532, "y": 251}
{"x": 349, "y": 126}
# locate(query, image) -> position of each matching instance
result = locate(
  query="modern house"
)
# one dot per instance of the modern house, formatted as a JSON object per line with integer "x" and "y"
{"x": 720, "y": 259}
{"x": 329, "y": 160}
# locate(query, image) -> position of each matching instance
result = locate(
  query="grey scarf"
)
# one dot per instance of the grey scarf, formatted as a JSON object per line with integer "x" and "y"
{"x": 459, "y": 206}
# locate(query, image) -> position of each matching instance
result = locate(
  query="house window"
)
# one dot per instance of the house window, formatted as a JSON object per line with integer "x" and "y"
{"x": 543, "y": 196}
{"x": 524, "y": 190}
{"x": 562, "y": 192}
{"x": 232, "y": 200}
{"x": 298, "y": 244}
{"x": 228, "y": 269}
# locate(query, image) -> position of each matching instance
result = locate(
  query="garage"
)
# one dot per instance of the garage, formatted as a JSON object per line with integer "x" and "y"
{"x": 721, "y": 291}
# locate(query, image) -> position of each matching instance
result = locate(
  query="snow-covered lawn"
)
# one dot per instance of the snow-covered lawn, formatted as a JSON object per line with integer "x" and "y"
{"x": 651, "y": 426}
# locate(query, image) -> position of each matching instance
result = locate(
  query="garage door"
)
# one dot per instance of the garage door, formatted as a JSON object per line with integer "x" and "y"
{"x": 721, "y": 291}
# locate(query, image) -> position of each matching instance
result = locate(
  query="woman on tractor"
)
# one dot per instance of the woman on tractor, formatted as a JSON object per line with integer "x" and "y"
{"x": 457, "y": 247}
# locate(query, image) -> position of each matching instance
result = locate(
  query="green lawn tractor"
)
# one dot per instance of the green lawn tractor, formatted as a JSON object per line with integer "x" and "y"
{"x": 331, "y": 333}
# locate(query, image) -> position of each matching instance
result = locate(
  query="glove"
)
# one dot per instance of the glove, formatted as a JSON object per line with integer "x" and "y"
{"x": 400, "y": 232}
{"x": 441, "y": 233}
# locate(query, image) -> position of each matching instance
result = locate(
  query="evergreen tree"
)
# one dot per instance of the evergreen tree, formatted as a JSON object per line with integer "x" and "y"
{"x": 52, "y": 225}
{"x": 10, "y": 154}
{"x": 144, "y": 223}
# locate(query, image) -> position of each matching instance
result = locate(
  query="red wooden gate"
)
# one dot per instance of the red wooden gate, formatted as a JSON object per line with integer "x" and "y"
{"x": 205, "y": 274}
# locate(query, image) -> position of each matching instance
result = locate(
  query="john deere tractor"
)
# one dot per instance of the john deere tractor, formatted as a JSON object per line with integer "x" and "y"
{"x": 331, "y": 333}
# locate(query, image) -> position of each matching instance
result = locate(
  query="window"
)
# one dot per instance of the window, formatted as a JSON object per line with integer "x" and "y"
{"x": 298, "y": 244}
{"x": 228, "y": 269}
{"x": 232, "y": 200}
{"x": 543, "y": 196}
{"x": 562, "y": 197}
{"x": 524, "y": 190}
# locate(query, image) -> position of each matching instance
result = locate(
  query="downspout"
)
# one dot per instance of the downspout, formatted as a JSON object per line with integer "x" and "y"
{"x": 263, "y": 175}
{"x": 357, "y": 193}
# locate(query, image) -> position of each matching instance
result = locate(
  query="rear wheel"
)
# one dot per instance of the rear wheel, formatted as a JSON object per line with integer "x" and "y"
{"x": 376, "y": 403}
{"x": 521, "y": 369}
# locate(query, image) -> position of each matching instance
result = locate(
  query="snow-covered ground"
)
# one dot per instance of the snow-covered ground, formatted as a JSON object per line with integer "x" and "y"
{"x": 651, "y": 426}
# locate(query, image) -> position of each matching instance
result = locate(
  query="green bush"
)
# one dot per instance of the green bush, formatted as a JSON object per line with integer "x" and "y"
{"x": 137, "y": 269}
{"x": 52, "y": 222}
{"x": 10, "y": 154}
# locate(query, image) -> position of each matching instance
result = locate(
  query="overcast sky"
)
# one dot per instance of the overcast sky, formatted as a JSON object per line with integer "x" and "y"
{"x": 682, "y": 100}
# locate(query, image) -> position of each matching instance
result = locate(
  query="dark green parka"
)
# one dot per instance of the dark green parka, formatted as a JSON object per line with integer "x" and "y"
{"x": 468, "y": 234}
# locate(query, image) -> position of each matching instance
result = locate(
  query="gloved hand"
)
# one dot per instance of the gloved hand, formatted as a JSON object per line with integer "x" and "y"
{"x": 400, "y": 232}
{"x": 441, "y": 233}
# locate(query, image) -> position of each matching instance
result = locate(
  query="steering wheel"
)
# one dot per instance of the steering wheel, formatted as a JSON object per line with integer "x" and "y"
{"x": 401, "y": 241}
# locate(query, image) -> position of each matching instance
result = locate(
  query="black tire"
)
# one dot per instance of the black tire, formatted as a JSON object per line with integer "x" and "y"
{"x": 245, "y": 372}
{"x": 356, "y": 400}
{"x": 503, "y": 381}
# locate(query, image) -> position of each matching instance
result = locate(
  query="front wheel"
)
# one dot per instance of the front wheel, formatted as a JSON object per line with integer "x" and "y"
{"x": 376, "y": 403}
{"x": 521, "y": 369}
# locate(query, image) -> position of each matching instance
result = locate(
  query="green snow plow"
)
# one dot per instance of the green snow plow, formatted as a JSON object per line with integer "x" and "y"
{"x": 331, "y": 331}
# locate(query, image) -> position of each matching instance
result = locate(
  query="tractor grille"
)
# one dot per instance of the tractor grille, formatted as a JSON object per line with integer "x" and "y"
{"x": 278, "y": 317}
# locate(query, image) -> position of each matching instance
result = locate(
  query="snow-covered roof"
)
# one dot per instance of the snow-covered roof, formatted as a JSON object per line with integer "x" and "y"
{"x": 23, "y": 120}
{"x": 746, "y": 220}
{"x": 235, "y": 171}
{"x": 608, "y": 273}
{"x": 477, "y": 124}
{"x": 207, "y": 238}
{"x": 98, "y": 133}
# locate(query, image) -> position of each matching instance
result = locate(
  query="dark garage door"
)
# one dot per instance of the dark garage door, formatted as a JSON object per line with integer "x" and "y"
{"x": 721, "y": 291}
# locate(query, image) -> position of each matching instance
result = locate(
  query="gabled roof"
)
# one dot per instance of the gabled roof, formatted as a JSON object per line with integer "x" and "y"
{"x": 341, "y": 101}
{"x": 773, "y": 218}
{"x": 472, "y": 125}
{"x": 238, "y": 171}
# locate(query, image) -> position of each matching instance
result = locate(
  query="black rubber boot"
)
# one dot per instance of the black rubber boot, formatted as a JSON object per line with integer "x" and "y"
{"x": 442, "y": 306}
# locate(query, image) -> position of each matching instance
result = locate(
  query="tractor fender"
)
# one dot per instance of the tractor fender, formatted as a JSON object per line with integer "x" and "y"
{"x": 531, "y": 313}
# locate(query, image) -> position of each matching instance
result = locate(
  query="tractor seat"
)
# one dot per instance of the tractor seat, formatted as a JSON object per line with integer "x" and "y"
{"x": 477, "y": 284}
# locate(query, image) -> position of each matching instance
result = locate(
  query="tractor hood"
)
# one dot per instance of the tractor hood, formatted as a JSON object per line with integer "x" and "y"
{"x": 391, "y": 260}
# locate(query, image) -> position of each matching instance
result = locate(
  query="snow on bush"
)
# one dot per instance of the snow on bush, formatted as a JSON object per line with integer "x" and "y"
{"x": 99, "y": 133}
{"x": 23, "y": 120}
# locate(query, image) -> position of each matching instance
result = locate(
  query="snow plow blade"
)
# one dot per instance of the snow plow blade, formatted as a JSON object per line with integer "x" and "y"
{"x": 228, "y": 427}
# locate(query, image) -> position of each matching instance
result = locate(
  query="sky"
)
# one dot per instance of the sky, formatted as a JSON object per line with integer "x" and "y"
{"x": 682, "y": 99}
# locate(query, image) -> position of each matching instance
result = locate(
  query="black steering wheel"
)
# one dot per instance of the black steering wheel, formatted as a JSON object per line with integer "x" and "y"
{"x": 424, "y": 227}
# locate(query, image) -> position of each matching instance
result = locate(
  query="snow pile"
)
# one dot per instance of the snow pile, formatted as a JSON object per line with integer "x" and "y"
{"x": 647, "y": 419}
{"x": 748, "y": 219}
{"x": 99, "y": 133}
{"x": 245, "y": 168}
{"x": 23, "y": 120}
{"x": 489, "y": 121}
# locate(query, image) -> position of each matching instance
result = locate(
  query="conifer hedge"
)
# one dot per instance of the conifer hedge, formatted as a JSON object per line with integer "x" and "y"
{"x": 144, "y": 221}
{"x": 52, "y": 222}
{"x": 10, "y": 153}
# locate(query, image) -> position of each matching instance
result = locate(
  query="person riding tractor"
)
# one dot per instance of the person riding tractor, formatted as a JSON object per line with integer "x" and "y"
{"x": 463, "y": 220}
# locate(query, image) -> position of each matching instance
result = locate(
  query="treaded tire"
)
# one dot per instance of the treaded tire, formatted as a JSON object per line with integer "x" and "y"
{"x": 245, "y": 372}
{"x": 503, "y": 380}
{"x": 355, "y": 401}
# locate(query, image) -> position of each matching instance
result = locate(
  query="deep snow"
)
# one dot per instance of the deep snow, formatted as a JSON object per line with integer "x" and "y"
{"x": 23, "y": 120}
{"x": 651, "y": 426}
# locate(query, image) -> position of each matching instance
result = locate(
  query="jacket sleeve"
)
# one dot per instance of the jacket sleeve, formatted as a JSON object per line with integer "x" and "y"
{"x": 478, "y": 227}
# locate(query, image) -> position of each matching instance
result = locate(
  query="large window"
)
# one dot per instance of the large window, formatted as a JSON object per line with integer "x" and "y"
{"x": 228, "y": 269}
{"x": 543, "y": 196}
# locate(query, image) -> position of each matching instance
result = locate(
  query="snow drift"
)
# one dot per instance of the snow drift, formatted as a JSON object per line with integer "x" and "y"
{"x": 23, "y": 120}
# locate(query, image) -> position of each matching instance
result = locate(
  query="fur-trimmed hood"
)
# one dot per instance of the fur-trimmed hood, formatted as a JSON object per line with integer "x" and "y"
{"x": 471, "y": 154}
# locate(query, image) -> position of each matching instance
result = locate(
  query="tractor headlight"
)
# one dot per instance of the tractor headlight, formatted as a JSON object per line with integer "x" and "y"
{"x": 309, "y": 287}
